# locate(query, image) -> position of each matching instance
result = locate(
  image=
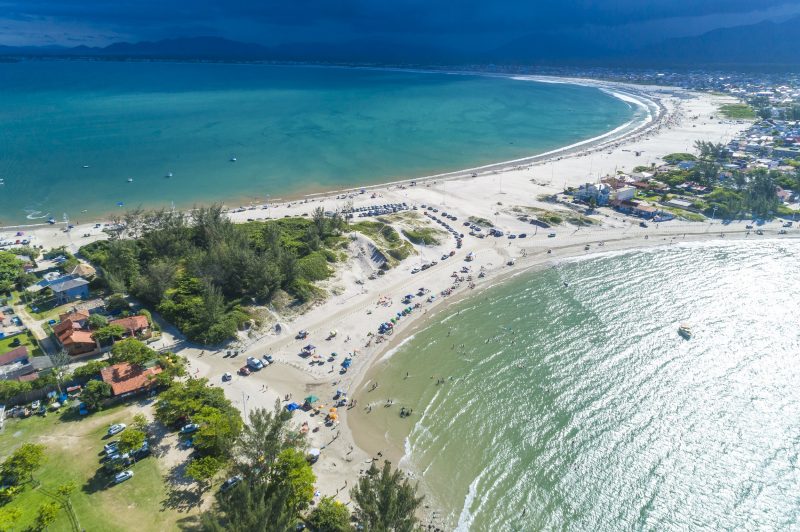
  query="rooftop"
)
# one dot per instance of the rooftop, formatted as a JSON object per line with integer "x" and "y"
{"x": 125, "y": 377}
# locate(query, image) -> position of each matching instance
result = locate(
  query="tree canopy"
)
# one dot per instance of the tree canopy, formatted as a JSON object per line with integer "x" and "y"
{"x": 22, "y": 463}
{"x": 198, "y": 269}
{"x": 385, "y": 500}
{"x": 329, "y": 516}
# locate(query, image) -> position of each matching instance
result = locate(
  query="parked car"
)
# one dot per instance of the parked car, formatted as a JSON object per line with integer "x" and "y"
{"x": 244, "y": 371}
{"x": 230, "y": 483}
{"x": 111, "y": 447}
{"x": 116, "y": 428}
{"x": 254, "y": 363}
{"x": 269, "y": 359}
{"x": 189, "y": 428}
{"x": 226, "y": 377}
{"x": 551, "y": 235}
{"x": 642, "y": 224}
{"x": 123, "y": 476}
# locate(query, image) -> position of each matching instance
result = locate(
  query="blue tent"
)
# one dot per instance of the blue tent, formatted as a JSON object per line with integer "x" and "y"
{"x": 292, "y": 406}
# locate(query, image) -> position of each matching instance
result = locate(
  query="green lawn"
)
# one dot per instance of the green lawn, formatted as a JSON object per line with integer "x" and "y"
{"x": 25, "y": 339}
{"x": 73, "y": 449}
{"x": 48, "y": 311}
{"x": 737, "y": 110}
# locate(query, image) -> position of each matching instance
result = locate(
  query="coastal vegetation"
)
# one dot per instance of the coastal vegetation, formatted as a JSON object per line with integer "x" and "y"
{"x": 200, "y": 270}
{"x": 275, "y": 487}
{"x": 740, "y": 111}
{"x": 389, "y": 242}
{"x": 423, "y": 236}
{"x": 12, "y": 272}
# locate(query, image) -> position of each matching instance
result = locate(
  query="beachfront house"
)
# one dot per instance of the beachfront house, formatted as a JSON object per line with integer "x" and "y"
{"x": 73, "y": 335}
{"x": 127, "y": 379}
{"x": 69, "y": 290}
{"x": 599, "y": 193}
{"x": 135, "y": 326}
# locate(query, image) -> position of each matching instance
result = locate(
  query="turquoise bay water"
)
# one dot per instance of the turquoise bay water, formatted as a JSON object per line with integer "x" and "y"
{"x": 580, "y": 408}
{"x": 292, "y": 130}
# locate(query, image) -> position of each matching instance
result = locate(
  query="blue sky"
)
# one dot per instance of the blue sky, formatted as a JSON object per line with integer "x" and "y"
{"x": 459, "y": 24}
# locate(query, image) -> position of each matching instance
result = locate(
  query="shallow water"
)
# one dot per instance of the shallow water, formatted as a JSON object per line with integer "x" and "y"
{"x": 580, "y": 408}
{"x": 291, "y": 129}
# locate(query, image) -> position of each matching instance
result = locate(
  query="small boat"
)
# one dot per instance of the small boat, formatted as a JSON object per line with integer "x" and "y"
{"x": 233, "y": 159}
{"x": 130, "y": 180}
{"x": 51, "y": 220}
{"x": 86, "y": 166}
{"x": 169, "y": 174}
{"x": 685, "y": 331}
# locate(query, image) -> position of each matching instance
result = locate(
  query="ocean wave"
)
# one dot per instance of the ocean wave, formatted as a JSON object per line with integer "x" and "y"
{"x": 35, "y": 215}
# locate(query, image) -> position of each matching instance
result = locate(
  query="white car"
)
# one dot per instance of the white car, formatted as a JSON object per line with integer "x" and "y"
{"x": 123, "y": 476}
{"x": 116, "y": 428}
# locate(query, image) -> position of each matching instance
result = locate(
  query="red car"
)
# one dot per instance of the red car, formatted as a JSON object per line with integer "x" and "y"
{"x": 244, "y": 371}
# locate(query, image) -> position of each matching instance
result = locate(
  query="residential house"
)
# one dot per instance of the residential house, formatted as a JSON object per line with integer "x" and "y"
{"x": 69, "y": 290}
{"x": 135, "y": 326}
{"x": 126, "y": 379}
{"x": 73, "y": 334}
{"x": 20, "y": 365}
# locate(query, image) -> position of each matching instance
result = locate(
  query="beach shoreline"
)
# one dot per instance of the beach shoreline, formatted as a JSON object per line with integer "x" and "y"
{"x": 630, "y": 94}
{"x": 357, "y": 305}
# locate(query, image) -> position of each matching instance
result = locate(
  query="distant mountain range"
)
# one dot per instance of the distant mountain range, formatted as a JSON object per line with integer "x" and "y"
{"x": 766, "y": 44}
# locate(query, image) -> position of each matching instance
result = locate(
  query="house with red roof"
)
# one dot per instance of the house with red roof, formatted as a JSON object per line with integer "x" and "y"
{"x": 125, "y": 378}
{"x": 135, "y": 326}
{"x": 73, "y": 334}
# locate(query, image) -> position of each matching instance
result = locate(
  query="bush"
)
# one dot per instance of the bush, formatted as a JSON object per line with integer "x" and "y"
{"x": 314, "y": 267}
{"x": 422, "y": 236}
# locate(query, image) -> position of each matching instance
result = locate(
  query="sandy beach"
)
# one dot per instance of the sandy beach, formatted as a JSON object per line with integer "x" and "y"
{"x": 498, "y": 193}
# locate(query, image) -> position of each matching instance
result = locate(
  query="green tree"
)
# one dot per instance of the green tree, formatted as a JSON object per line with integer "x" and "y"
{"x": 218, "y": 431}
{"x": 9, "y": 389}
{"x": 10, "y": 271}
{"x": 97, "y": 321}
{"x": 117, "y": 303}
{"x": 184, "y": 399}
{"x": 94, "y": 393}
{"x": 65, "y": 490}
{"x": 108, "y": 334}
{"x": 263, "y": 439}
{"x": 329, "y": 516}
{"x": 89, "y": 370}
{"x": 132, "y": 351}
{"x": 251, "y": 507}
{"x": 23, "y": 462}
{"x": 140, "y": 423}
{"x": 9, "y": 518}
{"x": 46, "y": 515}
{"x": 204, "y": 469}
{"x": 385, "y": 500}
{"x": 131, "y": 439}
{"x": 292, "y": 469}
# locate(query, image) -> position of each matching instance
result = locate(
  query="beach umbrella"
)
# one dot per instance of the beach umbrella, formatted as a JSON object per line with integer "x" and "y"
{"x": 311, "y": 399}
{"x": 334, "y": 417}
{"x": 314, "y": 452}
{"x": 333, "y": 409}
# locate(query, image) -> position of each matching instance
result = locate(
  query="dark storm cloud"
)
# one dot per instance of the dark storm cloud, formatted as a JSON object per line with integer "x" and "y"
{"x": 345, "y": 19}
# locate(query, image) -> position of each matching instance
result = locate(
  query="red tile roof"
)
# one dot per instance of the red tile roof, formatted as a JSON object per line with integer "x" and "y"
{"x": 77, "y": 337}
{"x": 29, "y": 377}
{"x": 132, "y": 323}
{"x": 14, "y": 355}
{"x": 74, "y": 316}
{"x": 125, "y": 377}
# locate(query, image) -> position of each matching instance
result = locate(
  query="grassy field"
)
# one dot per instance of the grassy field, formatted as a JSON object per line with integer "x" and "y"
{"x": 25, "y": 339}
{"x": 73, "y": 455}
{"x": 737, "y": 110}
